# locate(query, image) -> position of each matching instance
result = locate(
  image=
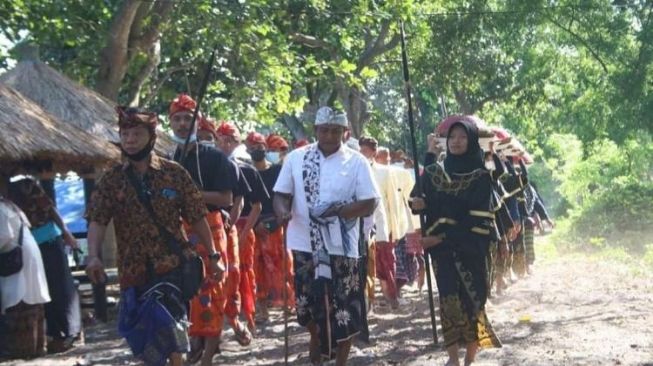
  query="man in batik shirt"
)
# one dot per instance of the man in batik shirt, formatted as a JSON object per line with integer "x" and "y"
{"x": 148, "y": 270}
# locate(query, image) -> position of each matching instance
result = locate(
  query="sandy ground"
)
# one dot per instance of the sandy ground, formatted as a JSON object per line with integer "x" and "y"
{"x": 571, "y": 311}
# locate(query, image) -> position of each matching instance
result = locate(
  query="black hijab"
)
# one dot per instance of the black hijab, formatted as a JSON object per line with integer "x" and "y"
{"x": 472, "y": 159}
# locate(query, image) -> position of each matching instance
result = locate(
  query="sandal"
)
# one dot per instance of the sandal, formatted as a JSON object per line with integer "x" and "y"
{"x": 243, "y": 336}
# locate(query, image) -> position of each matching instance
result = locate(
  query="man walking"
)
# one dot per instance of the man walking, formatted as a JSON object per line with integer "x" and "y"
{"x": 322, "y": 192}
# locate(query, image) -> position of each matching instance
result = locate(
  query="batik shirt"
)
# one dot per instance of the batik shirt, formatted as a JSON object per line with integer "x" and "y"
{"x": 173, "y": 196}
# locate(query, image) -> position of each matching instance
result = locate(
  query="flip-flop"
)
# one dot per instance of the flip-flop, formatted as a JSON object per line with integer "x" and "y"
{"x": 243, "y": 336}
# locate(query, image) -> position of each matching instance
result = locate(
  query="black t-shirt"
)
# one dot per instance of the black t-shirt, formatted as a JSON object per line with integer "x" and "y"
{"x": 258, "y": 192}
{"x": 214, "y": 168}
{"x": 241, "y": 186}
{"x": 269, "y": 177}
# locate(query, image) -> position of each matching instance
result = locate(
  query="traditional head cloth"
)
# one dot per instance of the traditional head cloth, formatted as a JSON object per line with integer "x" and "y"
{"x": 326, "y": 115}
{"x": 369, "y": 142}
{"x": 207, "y": 124}
{"x": 229, "y": 129}
{"x": 183, "y": 102}
{"x": 129, "y": 117}
{"x": 472, "y": 159}
{"x": 255, "y": 138}
{"x": 276, "y": 142}
{"x": 301, "y": 142}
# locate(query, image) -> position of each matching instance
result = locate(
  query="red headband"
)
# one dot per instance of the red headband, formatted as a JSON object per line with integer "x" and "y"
{"x": 276, "y": 142}
{"x": 301, "y": 142}
{"x": 254, "y": 138}
{"x": 207, "y": 124}
{"x": 183, "y": 102}
{"x": 228, "y": 129}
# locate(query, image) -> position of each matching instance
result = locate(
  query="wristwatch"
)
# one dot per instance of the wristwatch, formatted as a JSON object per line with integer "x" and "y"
{"x": 215, "y": 256}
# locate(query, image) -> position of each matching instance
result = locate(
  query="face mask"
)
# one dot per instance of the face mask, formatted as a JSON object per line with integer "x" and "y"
{"x": 207, "y": 143}
{"x": 142, "y": 154}
{"x": 179, "y": 141}
{"x": 272, "y": 157}
{"x": 257, "y": 155}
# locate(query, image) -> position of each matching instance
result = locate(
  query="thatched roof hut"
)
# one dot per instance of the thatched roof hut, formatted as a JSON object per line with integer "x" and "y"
{"x": 33, "y": 140}
{"x": 67, "y": 100}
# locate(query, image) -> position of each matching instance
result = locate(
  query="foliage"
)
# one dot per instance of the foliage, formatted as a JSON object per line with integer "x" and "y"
{"x": 573, "y": 80}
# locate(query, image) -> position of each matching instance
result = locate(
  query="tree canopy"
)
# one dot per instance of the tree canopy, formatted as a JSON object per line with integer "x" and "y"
{"x": 559, "y": 74}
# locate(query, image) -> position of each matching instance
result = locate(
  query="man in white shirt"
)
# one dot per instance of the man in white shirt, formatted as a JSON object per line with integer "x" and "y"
{"x": 322, "y": 192}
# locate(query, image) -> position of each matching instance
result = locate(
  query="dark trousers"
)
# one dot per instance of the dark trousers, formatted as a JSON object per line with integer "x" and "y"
{"x": 62, "y": 314}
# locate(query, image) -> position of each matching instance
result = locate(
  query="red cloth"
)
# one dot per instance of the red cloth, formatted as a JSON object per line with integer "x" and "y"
{"x": 301, "y": 142}
{"x": 207, "y": 124}
{"x": 228, "y": 129}
{"x": 183, "y": 102}
{"x": 276, "y": 142}
{"x": 386, "y": 267}
{"x": 255, "y": 138}
{"x": 269, "y": 268}
{"x": 232, "y": 292}
{"x": 414, "y": 244}
{"x": 247, "y": 275}
{"x": 207, "y": 308}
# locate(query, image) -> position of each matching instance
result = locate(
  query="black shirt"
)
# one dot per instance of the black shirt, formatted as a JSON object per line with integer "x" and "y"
{"x": 214, "y": 168}
{"x": 269, "y": 177}
{"x": 241, "y": 185}
{"x": 258, "y": 192}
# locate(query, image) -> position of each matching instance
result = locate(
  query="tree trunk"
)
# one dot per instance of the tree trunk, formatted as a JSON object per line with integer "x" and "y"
{"x": 128, "y": 37}
{"x": 114, "y": 56}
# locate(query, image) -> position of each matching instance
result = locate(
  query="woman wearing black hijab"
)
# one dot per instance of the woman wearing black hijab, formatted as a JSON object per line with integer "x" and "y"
{"x": 460, "y": 227}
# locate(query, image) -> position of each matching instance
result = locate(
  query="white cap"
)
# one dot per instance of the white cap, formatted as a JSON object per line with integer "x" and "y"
{"x": 327, "y": 116}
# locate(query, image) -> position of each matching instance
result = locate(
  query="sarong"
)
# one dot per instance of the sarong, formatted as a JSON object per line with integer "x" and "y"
{"x": 529, "y": 241}
{"x": 270, "y": 278}
{"x": 153, "y": 321}
{"x": 247, "y": 286}
{"x": 462, "y": 290}
{"x": 23, "y": 334}
{"x": 333, "y": 304}
{"x": 386, "y": 267}
{"x": 232, "y": 285}
{"x": 207, "y": 308}
{"x": 519, "y": 254}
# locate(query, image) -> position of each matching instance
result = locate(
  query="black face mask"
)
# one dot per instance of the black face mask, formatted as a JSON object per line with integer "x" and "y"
{"x": 140, "y": 155}
{"x": 257, "y": 155}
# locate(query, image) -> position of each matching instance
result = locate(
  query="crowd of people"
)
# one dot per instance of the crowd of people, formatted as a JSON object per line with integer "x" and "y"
{"x": 308, "y": 229}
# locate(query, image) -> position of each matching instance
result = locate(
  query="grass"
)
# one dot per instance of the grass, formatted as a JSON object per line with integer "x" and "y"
{"x": 633, "y": 249}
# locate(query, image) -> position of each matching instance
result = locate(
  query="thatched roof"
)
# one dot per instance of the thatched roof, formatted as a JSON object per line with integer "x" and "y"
{"x": 69, "y": 101}
{"x": 31, "y": 137}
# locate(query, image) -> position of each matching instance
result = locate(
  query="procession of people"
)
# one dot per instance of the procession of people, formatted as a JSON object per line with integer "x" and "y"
{"x": 308, "y": 229}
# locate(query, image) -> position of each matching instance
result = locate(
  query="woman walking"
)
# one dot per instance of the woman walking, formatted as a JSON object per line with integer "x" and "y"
{"x": 459, "y": 230}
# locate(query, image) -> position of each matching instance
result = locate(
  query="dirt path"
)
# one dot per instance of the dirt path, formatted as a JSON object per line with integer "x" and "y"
{"x": 571, "y": 311}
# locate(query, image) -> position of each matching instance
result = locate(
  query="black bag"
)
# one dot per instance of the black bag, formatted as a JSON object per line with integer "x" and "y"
{"x": 11, "y": 262}
{"x": 191, "y": 270}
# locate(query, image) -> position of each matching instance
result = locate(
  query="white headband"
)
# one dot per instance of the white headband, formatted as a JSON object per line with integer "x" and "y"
{"x": 326, "y": 115}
